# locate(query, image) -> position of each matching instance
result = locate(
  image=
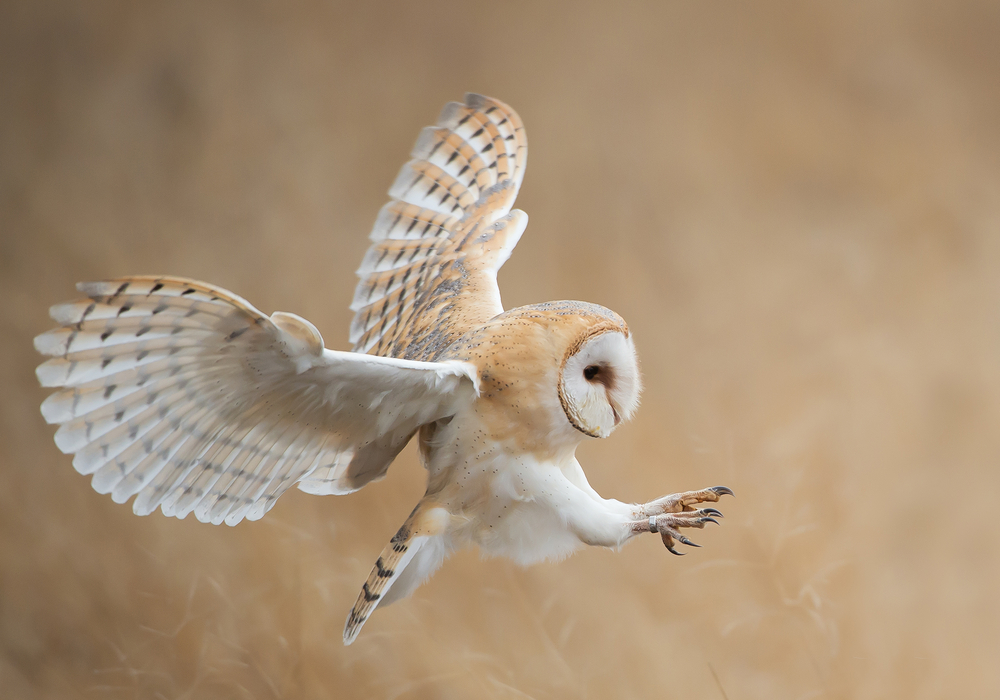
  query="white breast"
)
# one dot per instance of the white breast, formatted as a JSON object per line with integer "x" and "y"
{"x": 508, "y": 504}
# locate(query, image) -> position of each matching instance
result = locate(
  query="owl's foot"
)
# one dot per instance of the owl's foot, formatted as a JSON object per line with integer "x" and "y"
{"x": 668, "y": 514}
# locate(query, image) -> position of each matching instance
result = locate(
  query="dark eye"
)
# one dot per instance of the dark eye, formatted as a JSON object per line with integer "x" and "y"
{"x": 590, "y": 372}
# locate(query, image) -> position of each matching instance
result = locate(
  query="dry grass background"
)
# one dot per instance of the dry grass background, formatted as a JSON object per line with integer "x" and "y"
{"x": 795, "y": 205}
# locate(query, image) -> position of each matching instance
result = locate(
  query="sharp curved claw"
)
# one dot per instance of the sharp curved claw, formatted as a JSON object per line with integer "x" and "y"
{"x": 689, "y": 543}
{"x": 722, "y": 490}
{"x": 674, "y": 551}
{"x": 712, "y": 511}
{"x": 708, "y": 520}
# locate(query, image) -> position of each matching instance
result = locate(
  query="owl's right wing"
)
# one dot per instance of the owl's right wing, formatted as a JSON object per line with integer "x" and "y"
{"x": 430, "y": 274}
{"x": 188, "y": 396}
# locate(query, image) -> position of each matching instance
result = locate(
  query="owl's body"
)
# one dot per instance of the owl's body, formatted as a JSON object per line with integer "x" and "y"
{"x": 512, "y": 492}
{"x": 189, "y": 398}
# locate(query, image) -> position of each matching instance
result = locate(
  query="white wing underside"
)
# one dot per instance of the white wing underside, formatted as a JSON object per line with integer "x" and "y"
{"x": 190, "y": 398}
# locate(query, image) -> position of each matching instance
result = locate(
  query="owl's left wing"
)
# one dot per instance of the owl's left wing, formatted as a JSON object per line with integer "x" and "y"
{"x": 188, "y": 396}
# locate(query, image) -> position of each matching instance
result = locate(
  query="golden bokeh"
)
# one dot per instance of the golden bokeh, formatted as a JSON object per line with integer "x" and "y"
{"x": 796, "y": 206}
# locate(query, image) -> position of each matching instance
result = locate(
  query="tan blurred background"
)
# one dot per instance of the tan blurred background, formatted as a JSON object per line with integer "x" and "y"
{"x": 796, "y": 206}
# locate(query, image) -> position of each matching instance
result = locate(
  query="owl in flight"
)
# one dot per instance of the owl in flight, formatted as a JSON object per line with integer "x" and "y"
{"x": 187, "y": 397}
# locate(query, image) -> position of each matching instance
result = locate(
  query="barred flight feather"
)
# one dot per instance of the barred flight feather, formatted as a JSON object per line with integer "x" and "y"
{"x": 430, "y": 274}
{"x": 187, "y": 397}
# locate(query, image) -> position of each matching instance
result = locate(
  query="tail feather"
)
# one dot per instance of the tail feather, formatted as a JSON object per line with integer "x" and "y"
{"x": 416, "y": 533}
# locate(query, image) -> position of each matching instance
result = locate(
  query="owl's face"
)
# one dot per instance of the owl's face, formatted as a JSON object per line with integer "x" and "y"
{"x": 599, "y": 381}
{"x": 552, "y": 374}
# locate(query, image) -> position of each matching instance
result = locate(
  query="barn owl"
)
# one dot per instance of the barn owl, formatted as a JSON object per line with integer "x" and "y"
{"x": 187, "y": 397}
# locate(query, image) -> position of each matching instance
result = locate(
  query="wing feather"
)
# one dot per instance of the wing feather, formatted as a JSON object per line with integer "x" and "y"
{"x": 430, "y": 274}
{"x": 188, "y": 398}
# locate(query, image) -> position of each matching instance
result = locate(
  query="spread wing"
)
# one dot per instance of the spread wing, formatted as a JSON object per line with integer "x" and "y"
{"x": 430, "y": 274}
{"x": 188, "y": 396}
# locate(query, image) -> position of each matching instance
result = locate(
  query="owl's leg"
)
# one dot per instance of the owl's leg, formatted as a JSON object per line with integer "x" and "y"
{"x": 605, "y": 522}
{"x": 668, "y": 514}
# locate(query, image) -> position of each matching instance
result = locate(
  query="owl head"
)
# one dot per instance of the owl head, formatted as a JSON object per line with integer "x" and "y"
{"x": 567, "y": 369}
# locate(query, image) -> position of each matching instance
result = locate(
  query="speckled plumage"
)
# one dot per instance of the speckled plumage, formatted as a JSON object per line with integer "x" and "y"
{"x": 188, "y": 398}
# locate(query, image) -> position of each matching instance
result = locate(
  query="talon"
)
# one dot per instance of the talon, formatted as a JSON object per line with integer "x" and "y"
{"x": 668, "y": 542}
{"x": 712, "y": 511}
{"x": 689, "y": 543}
{"x": 722, "y": 490}
{"x": 708, "y": 520}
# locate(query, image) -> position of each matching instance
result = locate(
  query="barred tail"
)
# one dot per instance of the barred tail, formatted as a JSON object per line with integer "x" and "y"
{"x": 418, "y": 534}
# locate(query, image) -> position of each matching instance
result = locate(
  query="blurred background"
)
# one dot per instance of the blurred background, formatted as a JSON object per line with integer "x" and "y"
{"x": 796, "y": 206}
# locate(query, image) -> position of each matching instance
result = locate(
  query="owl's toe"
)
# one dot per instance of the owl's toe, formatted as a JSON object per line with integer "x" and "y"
{"x": 669, "y": 525}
